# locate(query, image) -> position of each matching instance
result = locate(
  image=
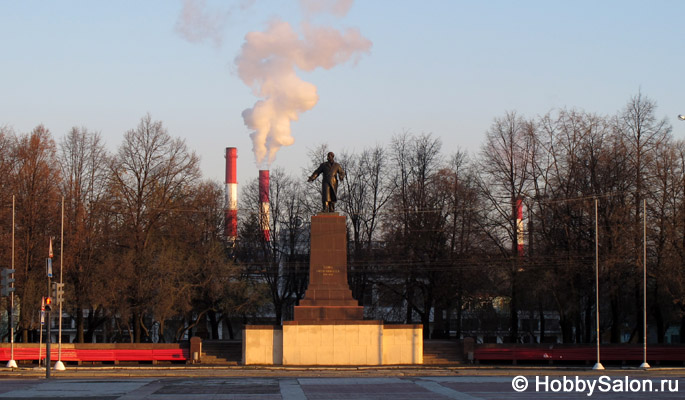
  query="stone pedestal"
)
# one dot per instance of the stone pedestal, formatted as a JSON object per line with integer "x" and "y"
{"x": 329, "y": 326}
{"x": 333, "y": 343}
{"x": 328, "y": 296}
{"x": 262, "y": 345}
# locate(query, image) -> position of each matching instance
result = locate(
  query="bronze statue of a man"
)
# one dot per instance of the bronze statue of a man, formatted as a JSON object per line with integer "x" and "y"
{"x": 332, "y": 172}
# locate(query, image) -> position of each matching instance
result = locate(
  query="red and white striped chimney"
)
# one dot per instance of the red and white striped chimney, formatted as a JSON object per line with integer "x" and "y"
{"x": 519, "y": 225}
{"x": 264, "y": 203}
{"x": 231, "y": 199}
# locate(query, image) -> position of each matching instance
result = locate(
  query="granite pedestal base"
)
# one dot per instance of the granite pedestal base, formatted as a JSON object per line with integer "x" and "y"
{"x": 329, "y": 326}
{"x": 339, "y": 343}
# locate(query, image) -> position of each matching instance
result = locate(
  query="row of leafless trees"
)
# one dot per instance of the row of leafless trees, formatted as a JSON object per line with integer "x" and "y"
{"x": 142, "y": 231}
{"x": 431, "y": 233}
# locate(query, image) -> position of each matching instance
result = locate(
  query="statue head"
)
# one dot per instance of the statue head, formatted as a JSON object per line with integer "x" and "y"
{"x": 330, "y": 156}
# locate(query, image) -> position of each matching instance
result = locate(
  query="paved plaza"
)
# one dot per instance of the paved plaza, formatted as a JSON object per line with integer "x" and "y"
{"x": 567, "y": 386}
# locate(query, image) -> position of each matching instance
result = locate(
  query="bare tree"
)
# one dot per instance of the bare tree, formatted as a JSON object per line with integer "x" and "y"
{"x": 149, "y": 174}
{"x": 462, "y": 277}
{"x": 6, "y": 191}
{"x": 567, "y": 176}
{"x": 281, "y": 263}
{"x": 664, "y": 261}
{"x": 84, "y": 163}
{"x": 366, "y": 192}
{"x": 505, "y": 177}
{"x": 416, "y": 221}
{"x": 197, "y": 278}
{"x": 643, "y": 135}
{"x": 34, "y": 179}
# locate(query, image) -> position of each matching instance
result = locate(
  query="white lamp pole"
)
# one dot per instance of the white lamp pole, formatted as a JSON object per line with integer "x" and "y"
{"x": 598, "y": 365}
{"x": 12, "y": 363}
{"x": 59, "y": 365}
{"x": 644, "y": 364}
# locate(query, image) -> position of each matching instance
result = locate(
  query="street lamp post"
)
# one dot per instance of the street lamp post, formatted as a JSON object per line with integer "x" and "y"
{"x": 59, "y": 365}
{"x": 12, "y": 363}
{"x": 681, "y": 117}
{"x": 598, "y": 364}
{"x": 644, "y": 364}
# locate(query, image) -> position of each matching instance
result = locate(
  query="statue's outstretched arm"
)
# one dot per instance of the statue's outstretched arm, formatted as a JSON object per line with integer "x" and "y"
{"x": 315, "y": 174}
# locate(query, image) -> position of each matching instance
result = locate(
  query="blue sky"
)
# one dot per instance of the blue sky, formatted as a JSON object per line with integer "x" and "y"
{"x": 442, "y": 67}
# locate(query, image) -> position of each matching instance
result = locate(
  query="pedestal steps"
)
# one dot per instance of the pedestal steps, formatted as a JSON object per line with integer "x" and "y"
{"x": 219, "y": 352}
{"x": 442, "y": 352}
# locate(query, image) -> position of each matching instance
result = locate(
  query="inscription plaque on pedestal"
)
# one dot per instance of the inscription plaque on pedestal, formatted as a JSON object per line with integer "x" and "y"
{"x": 328, "y": 296}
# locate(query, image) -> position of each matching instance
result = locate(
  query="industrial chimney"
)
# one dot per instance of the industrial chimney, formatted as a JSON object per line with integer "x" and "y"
{"x": 519, "y": 227}
{"x": 231, "y": 200}
{"x": 264, "y": 203}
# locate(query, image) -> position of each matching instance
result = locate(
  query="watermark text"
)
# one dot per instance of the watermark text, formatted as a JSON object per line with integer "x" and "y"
{"x": 591, "y": 384}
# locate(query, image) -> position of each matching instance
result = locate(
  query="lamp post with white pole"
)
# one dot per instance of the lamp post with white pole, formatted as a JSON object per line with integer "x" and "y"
{"x": 59, "y": 365}
{"x": 598, "y": 364}
{"x": 644, "y": 364}
{"x": 12, "y": 363}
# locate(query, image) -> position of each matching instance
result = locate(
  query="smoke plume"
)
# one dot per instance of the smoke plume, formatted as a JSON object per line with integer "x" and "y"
{"x": 198, "y": 23}
{"x": 335, "y": 7}
{"x": 268, "y": 63}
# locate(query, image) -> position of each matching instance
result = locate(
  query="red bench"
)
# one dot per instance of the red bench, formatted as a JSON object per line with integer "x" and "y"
{"x": 105, "y": 352}
{"x": 566, "y": 352}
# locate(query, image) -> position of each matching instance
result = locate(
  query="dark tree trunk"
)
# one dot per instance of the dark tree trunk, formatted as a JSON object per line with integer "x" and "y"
{"x": 513, "y": 311}
{"x": 25, "y": 332}
{"x": 566, "y": 329}
{"x": 8, "y": 332}
{"x": 660, "y": 324}
{"x": 426, "y": 317}
{"x": 94, "y": 321}
{"x": 588, "y": 322}
{"x": 79, "y": 325}
{"x": 278, "y": 309}
{"x": 211, "y": 314}
{"x": 615, "y": 319}
{"x": 410, "y": 299}
{"x": 425, "y": 320}
{"x": 541, "y": 315}
{"x": 640, "y": 320}
{"x": 231, "y": 334}
{"x": 136, "y": 327}
{"x": 459, "y": 311}
{"x": 439, "y": 322}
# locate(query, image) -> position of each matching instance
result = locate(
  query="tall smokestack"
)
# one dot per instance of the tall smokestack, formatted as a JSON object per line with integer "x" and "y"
{"x": 519, "y": 226}
{"x": 231, "y": 229}
{"x": 264, "y": 203}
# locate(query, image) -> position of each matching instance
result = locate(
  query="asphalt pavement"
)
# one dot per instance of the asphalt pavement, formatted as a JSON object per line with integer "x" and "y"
{"x": 396, "y": 383}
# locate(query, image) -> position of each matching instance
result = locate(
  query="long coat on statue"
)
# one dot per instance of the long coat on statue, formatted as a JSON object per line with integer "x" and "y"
{"x": 332, "y": 172}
